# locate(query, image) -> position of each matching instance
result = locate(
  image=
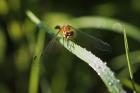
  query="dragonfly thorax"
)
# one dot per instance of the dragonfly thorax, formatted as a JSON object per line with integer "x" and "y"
{"x": 66, "y": 31}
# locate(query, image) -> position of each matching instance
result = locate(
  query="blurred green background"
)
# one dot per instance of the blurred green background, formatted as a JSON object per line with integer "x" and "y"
{"x": 61, "y": 71}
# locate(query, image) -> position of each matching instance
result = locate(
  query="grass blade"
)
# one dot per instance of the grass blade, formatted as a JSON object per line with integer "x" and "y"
{"x": 96, "y": 63}
{"x": 107, "y": 23}
{"x": 128, "y": 60}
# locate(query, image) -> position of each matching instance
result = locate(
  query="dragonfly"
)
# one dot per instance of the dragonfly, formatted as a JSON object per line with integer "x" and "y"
{"x": 68, "y": 32}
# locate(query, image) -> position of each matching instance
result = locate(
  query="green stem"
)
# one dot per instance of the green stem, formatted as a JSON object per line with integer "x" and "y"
{"x": 128, "y": 61}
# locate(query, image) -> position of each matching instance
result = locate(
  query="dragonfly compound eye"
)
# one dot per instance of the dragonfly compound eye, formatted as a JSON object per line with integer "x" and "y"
{"x": 57, "y": 27}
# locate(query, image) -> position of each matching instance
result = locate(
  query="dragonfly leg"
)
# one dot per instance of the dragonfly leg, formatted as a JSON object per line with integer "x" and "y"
{"x": 70, "y": 45}
{"x": 67, "y": 43}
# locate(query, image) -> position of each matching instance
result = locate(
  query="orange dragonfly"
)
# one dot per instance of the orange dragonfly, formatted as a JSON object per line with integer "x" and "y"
{"x": 67, "y": 31}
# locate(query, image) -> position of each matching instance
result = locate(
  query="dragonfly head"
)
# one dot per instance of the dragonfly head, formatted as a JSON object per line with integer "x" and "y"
{"x": 57, "y": 27}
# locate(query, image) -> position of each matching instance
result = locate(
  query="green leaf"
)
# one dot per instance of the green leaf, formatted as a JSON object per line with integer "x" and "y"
{"x": 96, "y": 63}
{"x": 107, "y": 23}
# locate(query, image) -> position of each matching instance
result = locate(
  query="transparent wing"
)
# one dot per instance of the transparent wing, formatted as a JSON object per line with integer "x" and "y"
{"x": 48, "y": 46}
{"x": 97, "y": 43}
